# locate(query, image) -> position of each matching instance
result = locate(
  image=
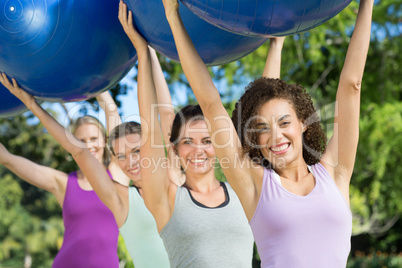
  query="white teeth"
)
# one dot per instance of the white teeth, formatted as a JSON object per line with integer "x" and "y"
{"x": 281, "y": 148}
{"x": 197, "y": 160}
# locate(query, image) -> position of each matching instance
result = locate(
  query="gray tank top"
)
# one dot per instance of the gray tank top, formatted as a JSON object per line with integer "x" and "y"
{"x": 198, "y": 236}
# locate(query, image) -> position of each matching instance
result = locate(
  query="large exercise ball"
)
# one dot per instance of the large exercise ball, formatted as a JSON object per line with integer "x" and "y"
{"x": 214, "y": 45}
{"x": 64, "y": 50}
{"x": 266, "y": 17}
{"x": 9, "y": 104}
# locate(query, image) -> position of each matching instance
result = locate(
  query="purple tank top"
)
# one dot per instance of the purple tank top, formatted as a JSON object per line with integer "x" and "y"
{"x": 91, "y": 232}
{"x": 302, "y": 231}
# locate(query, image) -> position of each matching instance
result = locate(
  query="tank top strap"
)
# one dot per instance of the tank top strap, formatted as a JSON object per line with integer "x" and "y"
{"x": 71, "y": 190}
{"x": 181, "y": 196}
{"x": 268, "y": 176}
{"x": 72, "y": 182}
{"x": 320, "y": 172}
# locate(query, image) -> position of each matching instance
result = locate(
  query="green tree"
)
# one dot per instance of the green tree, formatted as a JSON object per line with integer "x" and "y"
{"x": 31, "y": 224}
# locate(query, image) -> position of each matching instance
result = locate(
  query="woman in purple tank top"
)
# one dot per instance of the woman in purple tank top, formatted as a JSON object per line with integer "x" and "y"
{"x": 94, "y": 206}
{"x": 293, "y": 187}
{"x": 91, "y": 232}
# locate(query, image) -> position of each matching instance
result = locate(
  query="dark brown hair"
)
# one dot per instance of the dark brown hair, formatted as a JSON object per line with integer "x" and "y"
{"x": 123, "y": 130}
{"x": 187, "y": 113}
{"x": 263, "y": 90}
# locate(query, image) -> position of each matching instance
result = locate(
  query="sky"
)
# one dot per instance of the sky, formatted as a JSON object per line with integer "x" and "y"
{"x": 129, "y": 103}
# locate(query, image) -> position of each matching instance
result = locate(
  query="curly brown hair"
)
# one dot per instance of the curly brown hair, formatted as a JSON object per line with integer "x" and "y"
{"x": 263, "y": 90}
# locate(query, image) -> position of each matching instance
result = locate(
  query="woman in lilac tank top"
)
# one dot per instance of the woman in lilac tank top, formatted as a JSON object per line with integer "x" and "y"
{"x": 293, "y": 187}
{"x": 91, "y": 232}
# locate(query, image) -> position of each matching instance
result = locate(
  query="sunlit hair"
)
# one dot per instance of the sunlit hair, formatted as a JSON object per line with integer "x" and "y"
{"x": 186, "y": 114}
{"x": 90, "y": 120}
{"x": 121, "y": 131}
{"x": 263, "y": 90}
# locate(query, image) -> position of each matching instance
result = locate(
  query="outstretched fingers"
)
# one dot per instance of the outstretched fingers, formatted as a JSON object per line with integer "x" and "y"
{"x": 126, "y": 20}
{"x": 15, "y": 89}
{"x": 11, "y": 86}
{"x": 122, "y": 14}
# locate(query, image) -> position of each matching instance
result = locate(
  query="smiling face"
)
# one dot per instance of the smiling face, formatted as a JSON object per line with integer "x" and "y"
{"x": 197, "y": 155}
{"x": 280, "y": 133}
{"x": 127, "y": 152}
{"x": 93, "y": 137}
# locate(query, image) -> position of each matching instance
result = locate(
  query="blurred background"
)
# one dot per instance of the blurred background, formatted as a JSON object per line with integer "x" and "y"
{"x": 31, "y": 227}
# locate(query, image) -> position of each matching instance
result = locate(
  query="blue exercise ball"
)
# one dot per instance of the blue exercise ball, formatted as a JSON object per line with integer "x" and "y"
{"x": 266, "y": 17}
{"x": 9, "y": 104}
{"x": 215, "y": 46}
{"x": 64, "y": 50}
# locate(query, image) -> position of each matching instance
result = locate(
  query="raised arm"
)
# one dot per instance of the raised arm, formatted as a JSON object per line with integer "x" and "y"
{"x": 90, "y": 166}
{"x": 340, "y": 155}
{"x": 155, "y": 183}
{"x": 166, "y": 112}
{"x": 113, "y": 119}
{"x": 272, "y": 67}
{"x": 224, "y": 137}
{"x": 166, "y": 109}
{"x": 108, "y": 105}
{"x": 49, "y": 179}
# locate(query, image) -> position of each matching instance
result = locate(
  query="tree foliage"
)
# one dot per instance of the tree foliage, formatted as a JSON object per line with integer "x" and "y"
{"x": 31, "y": 227}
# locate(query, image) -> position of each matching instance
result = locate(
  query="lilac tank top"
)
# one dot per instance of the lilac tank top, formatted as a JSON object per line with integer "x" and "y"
{"x": 302, "y": 231}
{"x": 91, "y": 232}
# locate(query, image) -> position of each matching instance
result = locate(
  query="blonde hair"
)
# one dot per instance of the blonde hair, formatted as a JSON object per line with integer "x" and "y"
{"x": 90, "y": 120}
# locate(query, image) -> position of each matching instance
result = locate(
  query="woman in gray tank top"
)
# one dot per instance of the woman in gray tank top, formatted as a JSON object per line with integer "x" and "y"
{"x": 202, "y": 223}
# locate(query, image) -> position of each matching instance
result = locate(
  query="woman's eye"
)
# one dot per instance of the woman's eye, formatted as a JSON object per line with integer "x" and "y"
{"x": 207, "y": 142}
{"x": 263, "y": 129}
{"x": 187, "y": 142}
{"x": 121, "y": 157}
{"x": 285, "y": 123}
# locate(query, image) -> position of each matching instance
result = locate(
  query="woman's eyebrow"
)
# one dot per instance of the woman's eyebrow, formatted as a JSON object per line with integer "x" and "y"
{"x": 283, "y": 117}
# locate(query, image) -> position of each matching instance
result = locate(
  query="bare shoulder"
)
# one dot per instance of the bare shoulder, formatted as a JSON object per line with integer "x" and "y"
{"x": 338, "y": 173}
{"x": 59, "y": 187}
{"x": 122, "y": 191}
{"x": 121, "y": 212}
{"x": 328, "y": 167}
{"x": 61, "y": 179}
{"x": 341, "y": 178}
{"x": 252, "y": 186}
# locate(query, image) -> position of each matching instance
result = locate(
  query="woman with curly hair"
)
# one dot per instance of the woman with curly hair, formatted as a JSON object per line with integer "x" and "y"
{"x": 246, "y": 116}
{"x": 293, "y": 189}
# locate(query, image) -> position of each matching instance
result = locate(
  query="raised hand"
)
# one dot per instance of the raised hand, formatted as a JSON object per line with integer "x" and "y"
{"x": 15, "y": 89}
{"x": 272, "y": 67}
{"x": 171, "y": 7}
{"x": 126, "y": 21}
